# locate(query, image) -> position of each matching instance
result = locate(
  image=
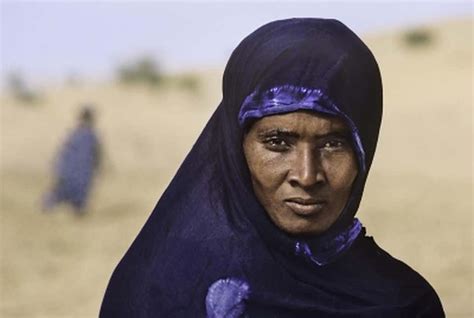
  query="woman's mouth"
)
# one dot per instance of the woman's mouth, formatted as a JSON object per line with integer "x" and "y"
{"x": 305, "y": 207}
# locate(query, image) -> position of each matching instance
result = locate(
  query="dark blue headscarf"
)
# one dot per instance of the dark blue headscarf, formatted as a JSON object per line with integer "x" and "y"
{"x": 209, "y": 248}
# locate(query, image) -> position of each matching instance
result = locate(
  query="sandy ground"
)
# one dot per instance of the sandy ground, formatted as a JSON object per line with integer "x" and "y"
{"x": 417, "y": 203}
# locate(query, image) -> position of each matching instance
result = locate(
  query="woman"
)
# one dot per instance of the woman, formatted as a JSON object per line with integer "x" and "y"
{"x": 259, "y": 220}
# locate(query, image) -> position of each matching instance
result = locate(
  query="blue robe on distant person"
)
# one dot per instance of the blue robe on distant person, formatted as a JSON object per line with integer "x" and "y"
{"x": 75, "y": 168}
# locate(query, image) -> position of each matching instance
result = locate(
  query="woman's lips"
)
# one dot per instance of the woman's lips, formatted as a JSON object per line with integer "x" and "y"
{"x": 305, "y": 207}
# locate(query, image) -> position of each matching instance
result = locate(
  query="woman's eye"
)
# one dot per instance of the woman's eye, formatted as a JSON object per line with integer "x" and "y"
{"x": 334, "y": 144}
{"x": 277, "y": 144}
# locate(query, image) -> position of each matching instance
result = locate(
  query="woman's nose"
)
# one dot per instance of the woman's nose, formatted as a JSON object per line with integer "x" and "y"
{"x": 306, "y": 169}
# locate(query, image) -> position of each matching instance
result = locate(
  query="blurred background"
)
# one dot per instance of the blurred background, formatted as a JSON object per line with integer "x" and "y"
{"x": 150, "y": 73}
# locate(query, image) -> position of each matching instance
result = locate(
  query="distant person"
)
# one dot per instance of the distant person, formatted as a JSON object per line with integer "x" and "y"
{"x": 76, "y": 165}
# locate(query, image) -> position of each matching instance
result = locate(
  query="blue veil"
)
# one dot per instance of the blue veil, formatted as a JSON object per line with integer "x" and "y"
{"x": 209, "y": 248}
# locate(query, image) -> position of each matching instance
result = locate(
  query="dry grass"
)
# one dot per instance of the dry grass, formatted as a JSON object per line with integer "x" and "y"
{"x": 418, "y": 200}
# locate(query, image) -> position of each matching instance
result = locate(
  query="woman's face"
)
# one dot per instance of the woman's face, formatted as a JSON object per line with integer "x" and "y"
{"x": 302, "y": 167}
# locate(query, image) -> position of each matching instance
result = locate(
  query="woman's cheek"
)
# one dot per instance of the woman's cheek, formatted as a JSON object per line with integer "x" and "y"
{"x": 340, "y": 169}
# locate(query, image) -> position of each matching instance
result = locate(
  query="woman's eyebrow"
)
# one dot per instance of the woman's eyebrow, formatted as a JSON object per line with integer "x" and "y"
{"x": 284, "y": 132}
{"x": 277, "y": 132}
{"x": 337, "y": 134}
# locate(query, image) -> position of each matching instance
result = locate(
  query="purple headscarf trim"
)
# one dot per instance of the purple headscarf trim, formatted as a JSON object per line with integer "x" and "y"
{"x": 289, "y": 98}
{"x": 331, "y": 248}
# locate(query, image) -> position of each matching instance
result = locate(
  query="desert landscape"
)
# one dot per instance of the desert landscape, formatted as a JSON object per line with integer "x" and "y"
{"x": 417, "y": 203}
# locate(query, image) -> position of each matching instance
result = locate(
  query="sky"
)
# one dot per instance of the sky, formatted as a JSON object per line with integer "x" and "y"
{"x": 48, "y": 41}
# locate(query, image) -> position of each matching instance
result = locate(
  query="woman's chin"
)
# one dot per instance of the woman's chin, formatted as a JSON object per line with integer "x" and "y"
{"x": 298, "y": 226}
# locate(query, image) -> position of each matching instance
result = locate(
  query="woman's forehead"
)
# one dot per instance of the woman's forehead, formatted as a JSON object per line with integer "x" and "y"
{"x": 307, "y": 122}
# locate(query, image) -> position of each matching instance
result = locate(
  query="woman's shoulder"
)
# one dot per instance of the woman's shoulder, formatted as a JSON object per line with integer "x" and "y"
{"x": 381, "y": 262}
{"x": 395, "y": 278}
